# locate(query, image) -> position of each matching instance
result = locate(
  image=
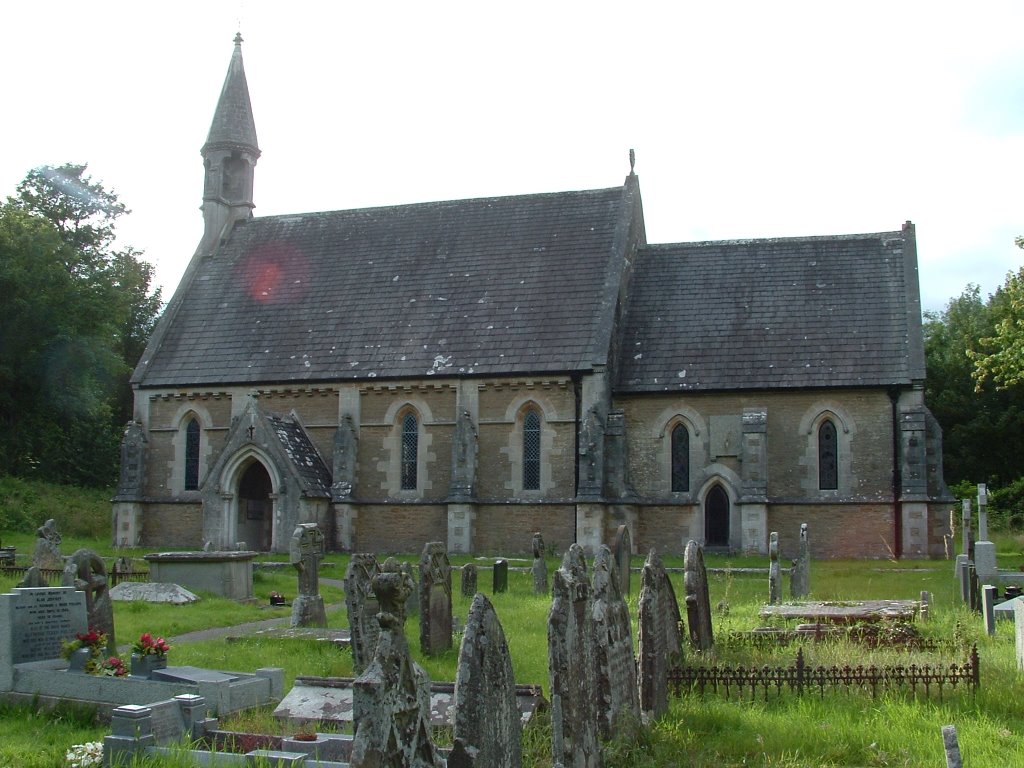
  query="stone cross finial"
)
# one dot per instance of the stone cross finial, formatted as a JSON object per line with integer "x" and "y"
{"x": 632, "y": 161}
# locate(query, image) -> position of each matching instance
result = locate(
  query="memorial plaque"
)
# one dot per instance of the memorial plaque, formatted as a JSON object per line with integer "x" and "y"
{"x": 40, "y": 619}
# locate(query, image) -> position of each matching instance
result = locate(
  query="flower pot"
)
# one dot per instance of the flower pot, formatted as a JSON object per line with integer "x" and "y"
{"x": 143, "y": 664}
{"x": 79, "y": 659}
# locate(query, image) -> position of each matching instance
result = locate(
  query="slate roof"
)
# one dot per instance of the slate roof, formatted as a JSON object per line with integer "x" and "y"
{"x": 759, "y": 314}
{"x": 508, "y": 285}
{"x": 233, "y": 124}
{"x": 303, "y": 454}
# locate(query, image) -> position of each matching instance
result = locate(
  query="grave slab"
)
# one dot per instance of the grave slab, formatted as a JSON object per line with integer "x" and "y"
{"x": 152, "y": 592}
{"x": 844, "y": 612}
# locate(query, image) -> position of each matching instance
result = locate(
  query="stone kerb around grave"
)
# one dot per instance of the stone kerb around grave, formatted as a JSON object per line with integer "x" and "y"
{"x": 571, "y": 665}
{"x": 659, "y": 637}
{"x": 487, "y": 717}
{"x": 618, "y": 698}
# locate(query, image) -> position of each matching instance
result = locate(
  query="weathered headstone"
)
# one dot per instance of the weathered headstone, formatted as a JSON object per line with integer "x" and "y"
{"x": 622, "y": 550}
{"x": 391, "y": 698}
{"x": 982, "y": 512}
{"x": 47, "y": 552}
{"x": 988, "y": 608}
{"x": 618, "y": 697}
{"x": 487, "y": 719}
{"x": 435, "y": 599}
{"x": 1018, "y": 622}
{"x": 571, "y": 665}
{"x": 86, "y": 572}
{"x": 305, "y": 550}
{"x": 967, "y": 542}
{"x": 698, "y": 600}
{"x": 774, "y": 574}
{"x": 659, "y": 638}
{"x": 469, "y": 575}
{"x": 963, "y": 576}
{"x": 33, "y": 578}
{"x": 412, "y": 603}
{"x": 926, "y": 602}
{"x": 362, "y": 608}
{"x": 952, "y": 746}
{"x": 800, "y": 579}
{"x": 500, "y": 576}
{"x": 540, "y": 566}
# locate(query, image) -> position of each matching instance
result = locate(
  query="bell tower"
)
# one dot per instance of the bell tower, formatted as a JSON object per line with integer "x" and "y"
{"x": 229, "y": 156}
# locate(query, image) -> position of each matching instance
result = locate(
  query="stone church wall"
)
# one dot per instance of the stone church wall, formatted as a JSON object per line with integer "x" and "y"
{"x": 508, "y": 529}
{"x": 178, "y": 525}
{"x": 399, "y": 528}
{"x": 666, "y": 528}
{"x": 837, "y": 531}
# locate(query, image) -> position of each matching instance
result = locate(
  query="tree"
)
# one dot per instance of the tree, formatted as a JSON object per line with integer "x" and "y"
{"x": 1000, "y": 356}
{"x": 75, "y": 317}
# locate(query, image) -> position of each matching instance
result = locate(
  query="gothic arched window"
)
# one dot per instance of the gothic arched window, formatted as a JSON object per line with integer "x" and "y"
{"x": 828, "y": 457}
{"x": 680, "y": 459}
{"x": 192, "y": 434}
{"x": 410, "y": 451}
{"x": 531, "y": 451}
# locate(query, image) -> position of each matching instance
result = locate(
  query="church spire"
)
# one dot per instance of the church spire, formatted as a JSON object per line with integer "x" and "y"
{"x": 229, "y": 155}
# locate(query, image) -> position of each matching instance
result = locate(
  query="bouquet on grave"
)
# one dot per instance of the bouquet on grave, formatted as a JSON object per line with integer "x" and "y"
{"x": 85, "y": 755}
{"x": 112, "y": 667}
{"x": 94, "y": 640}
{"x": 147, "y": 645}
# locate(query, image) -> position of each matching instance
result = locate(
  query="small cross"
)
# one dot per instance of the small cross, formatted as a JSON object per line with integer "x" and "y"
{"x": 251, "y": 430}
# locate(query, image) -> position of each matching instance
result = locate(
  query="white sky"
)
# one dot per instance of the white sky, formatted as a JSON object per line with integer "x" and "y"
{"x": 749, "y": 119}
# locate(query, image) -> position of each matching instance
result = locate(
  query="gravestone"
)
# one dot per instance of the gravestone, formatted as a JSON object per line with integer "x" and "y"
{"x": 926, "y": 602}
{"x": 774, "y": 574}
{"x": 952, "y": 747}
{"x": 618, "y": 697}
{"x": 487, "y": 717}
{"x": 47, "y": 552}
{"x": 435, "y": 599}
{"x": 571, "y": 665}
{"x": 412, "y": 603}
{"x": 305, "y": 550}
{"x": 33, "y": 578}
{"x": 540, "y": 566}
{"x": 963, "y": 576}
{"x": 659, "y": 637}
{"x": 967, "y": 542}
{"x": 86, "y": 572}
{"x": 698, "y": 601}
{"x": 362, "y": 608}
{"x": 800, "y": 579}
{"x": 988, "y": 606}
{"x": 500, "y": 576}
{"x": 391, "y": 698}
{"x": 468, "y": 572}
{"x": 622, "y": 549}
{"x": 34, "y": 622}
{"x": 1018, "y": 621}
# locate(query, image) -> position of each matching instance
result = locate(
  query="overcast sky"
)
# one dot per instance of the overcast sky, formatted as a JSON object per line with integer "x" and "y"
{"x": 757, "y": 119}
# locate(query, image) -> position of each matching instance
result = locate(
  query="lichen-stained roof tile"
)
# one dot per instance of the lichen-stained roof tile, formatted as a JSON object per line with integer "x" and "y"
{"x": 302, "y": 453}
{"x": 759, "y": 314}
{"x": 488, "y": 286}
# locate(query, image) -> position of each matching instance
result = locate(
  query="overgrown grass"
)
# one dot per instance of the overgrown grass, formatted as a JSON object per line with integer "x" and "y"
{"x": 837, "y": 729}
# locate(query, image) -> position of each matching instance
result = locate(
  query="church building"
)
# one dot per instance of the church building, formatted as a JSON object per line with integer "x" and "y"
{"x": 474, "y": 371}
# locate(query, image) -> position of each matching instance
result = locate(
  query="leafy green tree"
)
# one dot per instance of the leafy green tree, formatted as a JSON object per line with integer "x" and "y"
{"x": 982, "y": 426}
{"x": 75, "y": 317}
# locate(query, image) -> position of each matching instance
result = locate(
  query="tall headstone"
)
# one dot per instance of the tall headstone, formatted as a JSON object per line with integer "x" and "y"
{"x": 487, "y": 719}
{"x": 774, "y": 574}
{"x": 926, "y": 604}
{"x": 391, "y": 698}
{"x": 963, "y": 578}
{"x": 500, "y": 576}
{"x": 988, "y": 608}
{"x": 982, "y": 512}
{"x": 951, "y": 744}
{"x": 618, "y": 697}
{"x": 469, "y": 578}
{"x": 659, "y": 638}
{"x": 435, "y": 599}
{"x": 984, "y": 550}
{"x": 47, "y": 552}
{"x": 1018, "y": 622}
{"x": 540, "y": 566}
{"x": 305, "y": 550}
{"x": 412, "y": 603}
{"x": 698, "y": 600}
{"x": 622, "y": 550}
{"x": 33, "y": 624}
{"x": 362, "y": 608}
{"x": 967, "y": 542}
{"x": 800, "y": 581}
{"x": 86, "y": 572}
{"x": 571, "y": 665}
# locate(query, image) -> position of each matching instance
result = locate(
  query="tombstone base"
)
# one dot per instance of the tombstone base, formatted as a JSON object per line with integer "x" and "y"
{"x": 308, "y": 611}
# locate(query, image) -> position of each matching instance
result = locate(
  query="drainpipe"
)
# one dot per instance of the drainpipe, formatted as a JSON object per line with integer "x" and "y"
{"x": 897, "y": 473}
{"x": 577, "y": 389}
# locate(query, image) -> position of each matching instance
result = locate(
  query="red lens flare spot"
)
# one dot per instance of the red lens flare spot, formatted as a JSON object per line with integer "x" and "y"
{"x": 275, "y": 273}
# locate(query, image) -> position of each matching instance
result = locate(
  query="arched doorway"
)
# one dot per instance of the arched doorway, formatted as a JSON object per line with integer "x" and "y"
{"x": 716, "y": 517}
{"x": 255, "y": 507}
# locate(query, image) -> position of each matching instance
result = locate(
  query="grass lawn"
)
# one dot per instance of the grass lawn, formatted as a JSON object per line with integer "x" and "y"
{"x": 836, "y": 729}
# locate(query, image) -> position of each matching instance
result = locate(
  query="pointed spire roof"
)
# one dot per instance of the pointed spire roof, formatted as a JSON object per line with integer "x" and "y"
{"x": 233, "y": 125}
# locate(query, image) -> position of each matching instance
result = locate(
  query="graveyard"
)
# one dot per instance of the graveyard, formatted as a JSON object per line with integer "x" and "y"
{"x": 726, "y": 703}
